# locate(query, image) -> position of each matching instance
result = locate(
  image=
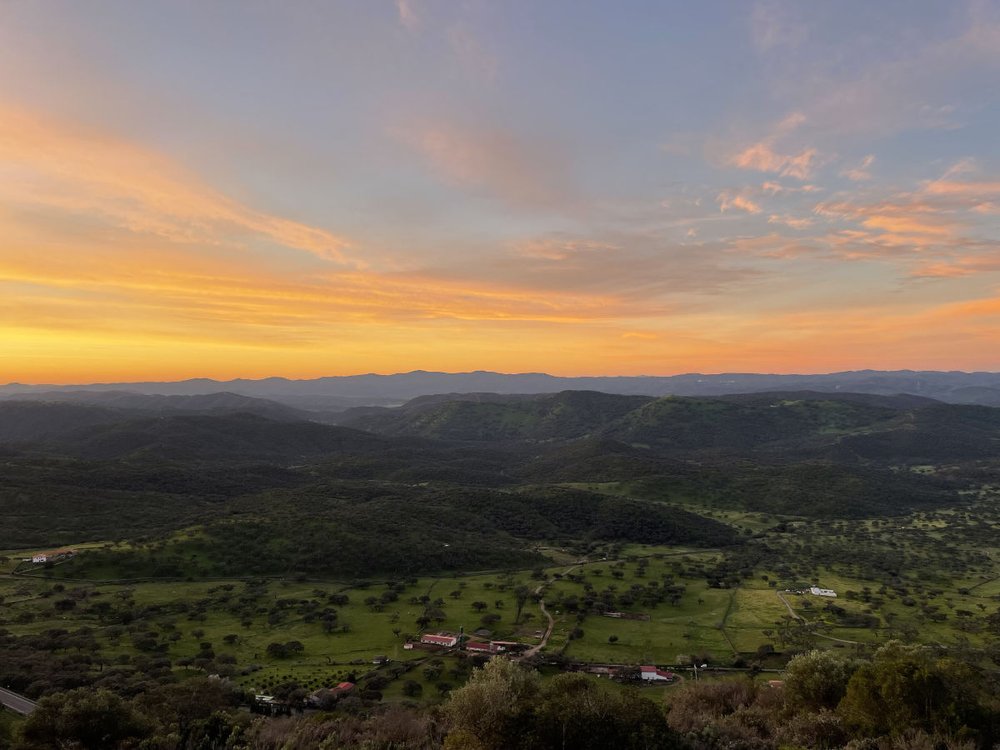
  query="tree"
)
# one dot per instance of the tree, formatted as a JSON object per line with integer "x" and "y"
{"x": 181, "y": 706}
{"x": 521, "y": 594}
{"x": 905, "y": 688}
{"x": 494, "y": 704}
{"x": 818, "y": 679}
{"x": 575, "y": 711}
{"x": 277, "y": 650}
{"x": 86, "y": 719}
{"x": 412, "y": 688}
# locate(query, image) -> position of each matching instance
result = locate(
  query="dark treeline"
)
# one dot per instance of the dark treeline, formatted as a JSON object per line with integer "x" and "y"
{"x": 902, "y": 697}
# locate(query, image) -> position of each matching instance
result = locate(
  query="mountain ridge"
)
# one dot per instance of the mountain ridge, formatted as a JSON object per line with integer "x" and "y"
{"x": 341, "y": 392}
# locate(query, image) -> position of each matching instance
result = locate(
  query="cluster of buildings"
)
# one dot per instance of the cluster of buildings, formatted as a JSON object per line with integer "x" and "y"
{"x": 814, "y": 590}
{"x": 655, "y": 674}
{"x": 647, "y": 673}
{"x": 54, "y": 556}
{"x": 450, "y": 640}
{"x": 817, "y": 591}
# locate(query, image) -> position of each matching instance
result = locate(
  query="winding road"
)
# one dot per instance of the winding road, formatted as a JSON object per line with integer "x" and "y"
{"x": 552, "y": 623}
{"x": 17, "y": 703}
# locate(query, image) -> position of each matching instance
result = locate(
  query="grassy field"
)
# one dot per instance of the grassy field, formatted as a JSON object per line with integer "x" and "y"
{"x": 942, "y": 592}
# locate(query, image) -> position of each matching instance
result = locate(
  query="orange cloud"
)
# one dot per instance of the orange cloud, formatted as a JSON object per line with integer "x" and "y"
{"x": 978, "y": 191}
{"x": 762, "y": 157}
{"x": 66, "y": 169}
{"x": 794, "y": 222}
{"x": 740, "y": 200}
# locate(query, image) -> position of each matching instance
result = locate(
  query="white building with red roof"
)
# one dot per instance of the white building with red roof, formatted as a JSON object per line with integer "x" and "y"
{"x": 652, "y": 674}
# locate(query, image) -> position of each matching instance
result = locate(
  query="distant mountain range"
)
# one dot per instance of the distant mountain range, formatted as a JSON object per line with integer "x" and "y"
{"x": 333, "y": 394}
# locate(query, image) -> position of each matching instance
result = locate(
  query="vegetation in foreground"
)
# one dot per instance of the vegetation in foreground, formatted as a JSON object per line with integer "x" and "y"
{"x": 902, "y": 697}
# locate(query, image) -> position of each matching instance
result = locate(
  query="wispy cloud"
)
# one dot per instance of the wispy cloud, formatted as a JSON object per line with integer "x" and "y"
{"x": 66, "y": 170}
{"x": 762, "y": 157}
{"x": 861, "y": 171}
{"x": 522, "y": 172}
{"x": 776, "y": 188}
{"x": 643, "y": 268}
{"x": 905, "y": 82}
{"x": 408, "y": 16}
{"x": 944, "y": 228}
{"x": 766, "y": 155}
{"x": 795, "y": 222}
{"x": 730, "y": 199}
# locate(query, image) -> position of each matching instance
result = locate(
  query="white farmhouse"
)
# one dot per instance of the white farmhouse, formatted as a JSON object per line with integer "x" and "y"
{"x": 817, "y": 591}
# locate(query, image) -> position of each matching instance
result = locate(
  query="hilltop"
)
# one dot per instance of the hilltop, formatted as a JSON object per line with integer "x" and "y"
{"x": 338, "y": 393}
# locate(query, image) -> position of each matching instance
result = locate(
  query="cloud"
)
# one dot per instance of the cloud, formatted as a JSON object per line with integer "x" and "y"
{"x": 860, "y": 172}
{"x": 728, "y": 199}
{"x": 776, "y": 188}
{"x": 958, "y": 267}
{"x": 790, "y": 221}
{"x": 645, "y": 269}
{"x": 408, "y": 16}
{"x": 68, "y": 171}
{"x": 900, "y": 222}
{"x": 902, "y": 83}
{"x": 762, "y": 157}
{"x": 943, "y": 229}
{"x": 521, "y": 172}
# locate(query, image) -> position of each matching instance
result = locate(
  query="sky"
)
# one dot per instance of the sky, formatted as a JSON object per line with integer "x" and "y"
{"x": 249, "y": 189}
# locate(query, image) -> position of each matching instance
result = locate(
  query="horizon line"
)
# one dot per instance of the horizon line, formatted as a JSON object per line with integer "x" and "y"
{"x": 495, "y": 372}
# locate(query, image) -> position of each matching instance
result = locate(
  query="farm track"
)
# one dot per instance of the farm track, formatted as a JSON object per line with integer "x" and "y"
{"x": 552, "y": 623}
{"x": 804, "y": 621}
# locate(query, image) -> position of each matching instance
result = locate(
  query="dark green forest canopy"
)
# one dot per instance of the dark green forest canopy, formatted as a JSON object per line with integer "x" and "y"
{"x": 469, "y": 482}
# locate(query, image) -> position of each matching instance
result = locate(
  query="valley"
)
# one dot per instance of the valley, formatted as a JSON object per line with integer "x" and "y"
{"x": 288, "y": 557}
{"x": 305, "y": 566}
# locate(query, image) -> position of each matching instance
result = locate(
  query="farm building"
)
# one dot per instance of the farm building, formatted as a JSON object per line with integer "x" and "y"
{"x": 439, "y": 639}
{"x": 509, "y": 645}
{"x": 652, "y": 674}
{"x": 482, "y": 648}
{"x": 60, "y": 554}
{"x": 817, "y": 591}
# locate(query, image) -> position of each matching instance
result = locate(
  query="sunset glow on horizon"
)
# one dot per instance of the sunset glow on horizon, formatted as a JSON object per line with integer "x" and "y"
{"x": 254, "y": 189}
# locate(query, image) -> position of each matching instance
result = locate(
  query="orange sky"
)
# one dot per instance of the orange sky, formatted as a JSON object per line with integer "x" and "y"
{"x": 158, "y": 226}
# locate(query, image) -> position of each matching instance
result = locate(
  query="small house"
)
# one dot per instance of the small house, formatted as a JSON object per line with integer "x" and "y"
{"x": 652, "y": 674}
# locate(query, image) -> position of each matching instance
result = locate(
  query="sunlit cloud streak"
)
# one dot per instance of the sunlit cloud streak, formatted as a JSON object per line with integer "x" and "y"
{"x": 63, "y": 168}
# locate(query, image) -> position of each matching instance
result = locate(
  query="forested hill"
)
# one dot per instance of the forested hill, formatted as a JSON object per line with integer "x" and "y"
{"x": 487, "y": 477}
{"x": 841, "y": 427}
{"x": 154, "y": 404}
{"x": 491, "y": 417}
{"x": 342, "y": 392}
